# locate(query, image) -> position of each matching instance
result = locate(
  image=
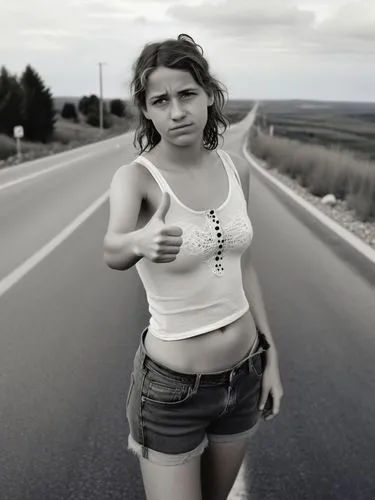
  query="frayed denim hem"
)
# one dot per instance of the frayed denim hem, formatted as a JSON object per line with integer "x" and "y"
{"x": 165, "y": 458}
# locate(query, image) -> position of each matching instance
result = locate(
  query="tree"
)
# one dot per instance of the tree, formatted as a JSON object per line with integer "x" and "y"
{"x": 93, "y": 103}
{"x": 40, "y": 114}
{"x": 93, "y": 119}
{"x": 89, "y": 105}
{"x": 93, "y": 112}
{"x": 11, "y": 102}
{"x": 69, "y": 111}
{"x": 83, "y": 105}
{"x": 117, "y": 107}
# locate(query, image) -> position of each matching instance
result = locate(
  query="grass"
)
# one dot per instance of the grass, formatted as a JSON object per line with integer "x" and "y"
{"x": 321, "y": 170}
{"x": 67, "y": 135}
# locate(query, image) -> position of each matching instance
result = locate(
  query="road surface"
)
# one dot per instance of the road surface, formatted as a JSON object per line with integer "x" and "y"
{"x": 69, "y": 328}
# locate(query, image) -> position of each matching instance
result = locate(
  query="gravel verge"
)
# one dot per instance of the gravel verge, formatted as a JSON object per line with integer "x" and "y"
{"x": 339, "y": 212}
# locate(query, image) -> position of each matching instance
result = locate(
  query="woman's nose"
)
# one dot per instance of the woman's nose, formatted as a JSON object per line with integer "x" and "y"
{"x": 177, "y": 111}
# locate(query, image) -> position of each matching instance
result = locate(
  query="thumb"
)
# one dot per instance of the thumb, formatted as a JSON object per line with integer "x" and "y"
{"x": 163, "y": 207}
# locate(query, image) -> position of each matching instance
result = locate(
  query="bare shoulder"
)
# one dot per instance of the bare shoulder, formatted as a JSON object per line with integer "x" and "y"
{"x": 129, "y": 173}
{"x": 125, "y": 198}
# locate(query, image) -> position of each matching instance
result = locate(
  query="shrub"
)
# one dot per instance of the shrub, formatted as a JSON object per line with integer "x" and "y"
{"x": 69, "y": 112}
{"x": 117, "y": 108}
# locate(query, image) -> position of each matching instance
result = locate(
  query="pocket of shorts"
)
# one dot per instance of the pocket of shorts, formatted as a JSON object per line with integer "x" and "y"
{"x": 165, "y": 392}
{"x": 258, "y": 364}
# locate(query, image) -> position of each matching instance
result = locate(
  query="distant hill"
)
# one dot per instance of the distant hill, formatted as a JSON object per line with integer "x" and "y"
{"x": 297, "y": 105}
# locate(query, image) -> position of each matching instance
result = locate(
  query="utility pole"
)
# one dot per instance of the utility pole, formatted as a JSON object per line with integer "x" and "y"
{"x": 101, "y": 64}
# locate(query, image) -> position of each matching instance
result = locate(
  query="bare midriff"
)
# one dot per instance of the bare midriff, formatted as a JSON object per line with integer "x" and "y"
{"x": 212, "y": 351}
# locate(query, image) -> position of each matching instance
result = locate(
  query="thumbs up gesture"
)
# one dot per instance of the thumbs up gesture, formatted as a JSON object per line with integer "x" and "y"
{"x": 157, "y": 241}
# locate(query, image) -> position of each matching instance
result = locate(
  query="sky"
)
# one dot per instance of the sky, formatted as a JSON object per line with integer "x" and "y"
{"x": 259, "y": 49}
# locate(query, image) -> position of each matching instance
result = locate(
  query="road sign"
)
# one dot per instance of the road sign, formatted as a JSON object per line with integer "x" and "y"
{"x": 18, "y": 132}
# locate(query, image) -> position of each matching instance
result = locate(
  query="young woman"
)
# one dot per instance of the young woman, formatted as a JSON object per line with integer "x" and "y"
{"x": 207, "y": 364}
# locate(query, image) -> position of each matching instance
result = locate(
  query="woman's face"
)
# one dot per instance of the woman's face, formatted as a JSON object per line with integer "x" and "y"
{"x": 173, "y": 99}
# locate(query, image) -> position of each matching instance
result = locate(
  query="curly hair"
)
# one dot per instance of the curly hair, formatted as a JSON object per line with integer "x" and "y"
{"x": 181, "y": 54}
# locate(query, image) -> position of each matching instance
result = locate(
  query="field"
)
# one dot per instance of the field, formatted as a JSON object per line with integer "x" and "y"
{"x": 348, "y": 126}
{"x": 328, "y": 148}
{"x": 236, "y": 109}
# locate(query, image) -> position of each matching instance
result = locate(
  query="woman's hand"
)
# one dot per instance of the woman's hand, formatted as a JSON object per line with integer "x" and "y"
{"x": 271, "y": 385}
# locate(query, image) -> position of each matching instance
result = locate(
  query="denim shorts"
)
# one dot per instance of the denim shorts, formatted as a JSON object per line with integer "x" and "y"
{"x": 172, "y": 416}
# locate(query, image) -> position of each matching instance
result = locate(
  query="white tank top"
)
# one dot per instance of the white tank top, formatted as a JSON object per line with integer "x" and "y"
{"x": 202, "y": 289}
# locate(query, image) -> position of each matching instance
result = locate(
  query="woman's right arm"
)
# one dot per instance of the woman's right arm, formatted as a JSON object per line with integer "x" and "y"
{"x": 121, "y": 238}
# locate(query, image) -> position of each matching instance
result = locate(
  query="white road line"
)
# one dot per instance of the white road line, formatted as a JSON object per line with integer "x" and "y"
{"x": 366, "y": 250}
{"x": 92, "y": 147}
{"x": 16, "y": 275}
{"x": 238, "y": 492}
{"x": 41, "y": 172}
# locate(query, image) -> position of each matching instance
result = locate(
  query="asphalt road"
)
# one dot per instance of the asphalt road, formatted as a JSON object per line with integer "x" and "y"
{"x": 70, "y": 326}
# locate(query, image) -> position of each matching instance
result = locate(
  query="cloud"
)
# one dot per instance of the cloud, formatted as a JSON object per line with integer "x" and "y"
{"x": 40, "y": 44}
{"x": 55, "y": 33}
{"x": 250, "y": 26}
{"x": 242, "y": 16}
{"x": 38, "y": 25}
{"x": 349, "y": 31}
{"x": 282, "y": 26}
{"x": 353, "y": 20}
{"x": 73, "y": 26}
{"x": 299, "y": 26}
{"x": 249, "y": 43}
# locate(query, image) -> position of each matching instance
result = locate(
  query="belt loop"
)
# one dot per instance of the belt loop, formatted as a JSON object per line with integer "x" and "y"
{"x": 250, "y": 364}
{"x": 143, "y": 359}
{"x": 232, "y": 372}
{"x": 197, "y": 382}
{"x": 143, "y": 354}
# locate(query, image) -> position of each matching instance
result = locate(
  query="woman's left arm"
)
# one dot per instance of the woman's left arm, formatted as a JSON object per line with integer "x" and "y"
{"x": 271, "y": 382}
{"x": 254, "y": 296}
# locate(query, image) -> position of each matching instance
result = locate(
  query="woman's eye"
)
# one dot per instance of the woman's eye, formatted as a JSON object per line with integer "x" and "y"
{"x": 185, "y": 94}
{"x": 158, "y": 101}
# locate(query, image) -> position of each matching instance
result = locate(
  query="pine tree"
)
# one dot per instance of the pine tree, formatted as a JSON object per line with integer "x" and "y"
{"x": 11, "y": 102}
{"x": 40, "y": 114}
